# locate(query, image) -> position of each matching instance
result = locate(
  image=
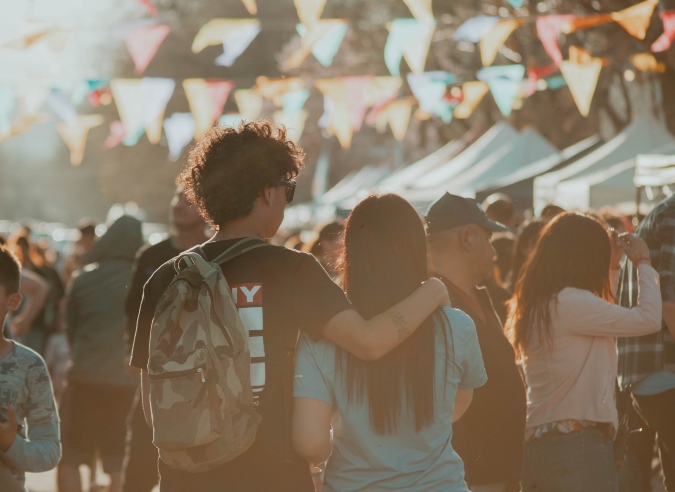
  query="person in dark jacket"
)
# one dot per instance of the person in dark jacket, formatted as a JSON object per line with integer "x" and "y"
{"x": 490, "y": 436}
{"x": 99, "y": 393}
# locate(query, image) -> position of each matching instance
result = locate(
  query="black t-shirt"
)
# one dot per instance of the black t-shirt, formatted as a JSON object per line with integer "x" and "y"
{"x": 278, "y": 292}
{"x": 148, "y": 259}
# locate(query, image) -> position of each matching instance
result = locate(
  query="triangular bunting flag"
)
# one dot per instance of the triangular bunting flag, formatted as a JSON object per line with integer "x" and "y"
{"x": 516, "y": 4}
{"x": 206, "y": 100}
{"x": 33, "y": 94}
{"x": 323, "y": 40}
{"x": 645, "y": 62}
{"x": 585, "y": 22}
{"x": 398, "y": 116}
{"x": 505, "y": 83}
{"x": 250, "y": 6}
{"x": 340, "y": 123}
{"x": 235, "y": 43}
{"x": 149, "y": 7}
{"x": 495, "y": 39}
{"x": 309, "y": 11}
{"x": 249, "y": 103}
{"x": 666, "y": 39}
{"x": 128, "y": 95}
{"x": 86, "y": 87}
{"x": 53, "y": 38}
{"x": 356, "y": 97}
{"x": 429, "y": 89}
{"x": 74, "y": 133}
{"x": 636, "y": 19}
{"x": 275, "y": 89}
{"x": 143, "y": 44}
{"x": 231, "y": 119}
{"x": 473, "y": 93}
{"x": 62, "y": 105}
{"x": 549, "y": 28}
{"x": 179, "y": 129}
{"x": 421, "y": 10}
{"x": 380, "y": 92}
{"x": 294, "y": 122}
{"x": 475, "y": 28}
{"x": 7, "y": 103}
{"x": 294, "y": 101}
{"x": 116, "y": 136}
{"x": 217, "y": 31}
{"x": 156, "y": 93}
{"x": 409, "y": 39}
{"x": 582, "y": 79}
{"x": 320, "y": 178}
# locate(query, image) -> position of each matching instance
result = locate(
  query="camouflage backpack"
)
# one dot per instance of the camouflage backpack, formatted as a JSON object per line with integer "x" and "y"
{"x": 203, "y": 414}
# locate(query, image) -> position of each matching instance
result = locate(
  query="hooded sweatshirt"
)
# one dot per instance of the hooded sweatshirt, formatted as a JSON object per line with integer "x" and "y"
{"x": 95, "y": 307}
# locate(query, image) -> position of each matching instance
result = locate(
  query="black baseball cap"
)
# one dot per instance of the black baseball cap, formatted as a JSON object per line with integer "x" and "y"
{"x": 451, "y": 211}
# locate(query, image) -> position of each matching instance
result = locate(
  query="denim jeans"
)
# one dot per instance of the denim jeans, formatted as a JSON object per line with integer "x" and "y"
{"x": 581, "y": 461}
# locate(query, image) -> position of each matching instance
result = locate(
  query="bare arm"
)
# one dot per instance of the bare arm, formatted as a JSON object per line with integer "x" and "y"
{"x": 311, "y": 429}
{"x": 145, "y": 396}
{"x": 462, "y": 401}
{"x": 372, "y": 339}
{"x": 34, "y": 288}
{"x": 669, "y": 316}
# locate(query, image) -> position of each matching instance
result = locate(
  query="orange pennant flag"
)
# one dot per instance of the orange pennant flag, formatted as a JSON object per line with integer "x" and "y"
{"x": 249, "y": 103}
{"x": 251, "y": 6}
{"x": 274, "y": 89}
{"x": 495, "y": 39}
{"x": 309, "y": 11}
{"x": 340, "y": 119}
{"x": 582, "y": 79}
{"x": 74, "y": 133}
{"x": 579, "y": 55}
{"x": 586, "y": 22}
{"x": 636, "y": 19}
{"x": 645, "y": 62}
{"x": 421, "y": 10}
{"x": 398, "y": 116}
{"x": 473, "y": 93}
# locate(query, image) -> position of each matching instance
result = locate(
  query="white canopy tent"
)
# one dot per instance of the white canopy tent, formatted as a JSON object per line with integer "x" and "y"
{"x": 496, "y": 137}
{"x": 643, "y": 135}
{"x": 614, "y": 185}
{"x": 654, "y": 170}
{"x": 519, "y": 151}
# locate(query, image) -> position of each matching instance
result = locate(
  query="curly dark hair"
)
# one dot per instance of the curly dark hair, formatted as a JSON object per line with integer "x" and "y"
{"x": 230, "y": 167}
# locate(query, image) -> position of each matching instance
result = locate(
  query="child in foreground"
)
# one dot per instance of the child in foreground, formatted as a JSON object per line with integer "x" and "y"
{"x": 29, "y": 423}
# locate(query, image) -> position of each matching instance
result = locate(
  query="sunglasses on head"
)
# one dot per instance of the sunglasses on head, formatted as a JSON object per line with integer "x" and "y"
{"x": 290, "y": 185}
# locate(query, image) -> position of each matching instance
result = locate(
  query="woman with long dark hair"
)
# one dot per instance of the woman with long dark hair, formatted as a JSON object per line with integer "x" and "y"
{"x": 523, "y": 248}
{"x": 392, "y": 418}
{"x": 562, "y": 323}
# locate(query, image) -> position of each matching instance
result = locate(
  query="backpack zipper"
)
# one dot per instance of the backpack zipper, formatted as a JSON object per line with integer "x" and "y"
{"x": 177, "y": 374}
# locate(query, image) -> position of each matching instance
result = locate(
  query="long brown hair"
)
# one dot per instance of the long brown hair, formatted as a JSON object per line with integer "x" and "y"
{"x": 385, "y": 260}
{"x": 573, "y": 251}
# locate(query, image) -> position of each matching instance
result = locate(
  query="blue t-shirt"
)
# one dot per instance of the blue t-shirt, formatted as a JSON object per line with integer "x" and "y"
{"x": 407, "y": 460}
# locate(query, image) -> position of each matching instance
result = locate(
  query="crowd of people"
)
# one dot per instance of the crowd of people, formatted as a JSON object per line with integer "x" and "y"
{"x": 468, "y": 349}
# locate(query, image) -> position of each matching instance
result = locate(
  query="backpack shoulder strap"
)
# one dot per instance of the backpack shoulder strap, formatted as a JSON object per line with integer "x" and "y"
{"x": 239, "y": 248}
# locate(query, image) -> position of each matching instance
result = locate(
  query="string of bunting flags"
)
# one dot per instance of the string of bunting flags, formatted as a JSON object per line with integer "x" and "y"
{"x": 349, "y": 101}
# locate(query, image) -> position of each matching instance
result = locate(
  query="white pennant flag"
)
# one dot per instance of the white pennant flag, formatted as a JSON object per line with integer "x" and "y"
{"x": 156, "y": 95}
{"x": 179, "y": 129}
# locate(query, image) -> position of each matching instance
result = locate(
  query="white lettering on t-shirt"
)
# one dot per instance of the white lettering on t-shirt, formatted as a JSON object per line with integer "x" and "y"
{"x": 250, "y": 294}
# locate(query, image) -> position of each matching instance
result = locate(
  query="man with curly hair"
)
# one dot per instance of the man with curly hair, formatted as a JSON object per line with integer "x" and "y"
{"x": 241, "y": 180}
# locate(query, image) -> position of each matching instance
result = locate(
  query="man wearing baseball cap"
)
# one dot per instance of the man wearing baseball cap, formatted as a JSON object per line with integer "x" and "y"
{"x": 490, "y": 436}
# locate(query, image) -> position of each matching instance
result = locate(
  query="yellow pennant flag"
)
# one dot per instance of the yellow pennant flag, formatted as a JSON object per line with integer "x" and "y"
{"x": 398, "y": 116}
{"x": 315, "y": 33}
{"x": 274, "y": 89}
{"x": 582, "y": 78}
{"x": 294, "y": 122}
{"x": 309, "y": 11}
{"x": 421, "y": 10}
{"x": 250, "y": 6}
{"x": 153, "y": 129}
{"x": 249, "y": 103}
{"x": 382, "y": 88}
{"x": 473, "y": 93}
{"x": 645, "y": 62}
{"x": 636, "y": 19}
{"x": 75, "y": 132}
{"x": 340, "y": 123}
{"x": 201, "y": 105}
{"x": 495, "y": 39}
{"x": 128, "y": 96}
{"x": 213, "y": 32}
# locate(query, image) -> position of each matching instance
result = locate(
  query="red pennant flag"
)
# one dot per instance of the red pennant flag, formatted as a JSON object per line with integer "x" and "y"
{"x": 149, "y": 7}
{"x": 143, "y": 44}
{"x": 549, "y": 28}
{"x": 218, "y": 93}
{"x": 664, "y": 41}
{"x": 356, "y": 93}
{"x": 117, "y": 134}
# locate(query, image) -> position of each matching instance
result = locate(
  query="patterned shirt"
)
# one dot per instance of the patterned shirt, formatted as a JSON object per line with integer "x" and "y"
{"x": 25, "y": 384}
{"x": 641, "y": 356}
